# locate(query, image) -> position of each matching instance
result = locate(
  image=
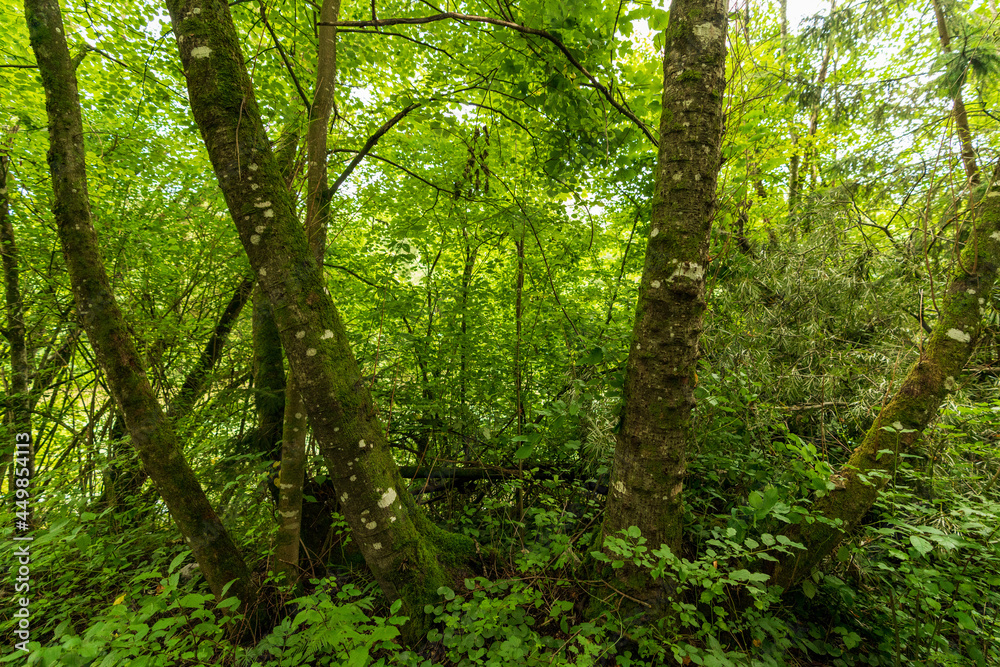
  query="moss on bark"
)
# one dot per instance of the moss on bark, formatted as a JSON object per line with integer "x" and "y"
{"x": 373, "y": 497}
{"x": 899, "y": 425}
{"x": 152, "y": 434}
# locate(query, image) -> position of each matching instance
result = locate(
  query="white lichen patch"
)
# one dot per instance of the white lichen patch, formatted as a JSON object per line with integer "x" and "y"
{"x": 269, "y": 213}
{"x": 377, "y": 546}
{"x": 262, "y": 204}
{"x": 311, "y": 352}
{"x": 387, "y": 498}
{"x": 690, "y": 270}
{"x": 260, "y": 229}
{"x": 326, "y": 334}
{"x": 995, "y": 235}
{"x": 970, "y": 291}
{"x": 392, "y": 519}
{"x": 706, "y": 33}
{"x": 354, "y": 478}
{"x": 289, "y": 515}
{"x": 959, "y": 335}
{"x": 253, "y": 167}
{"x": 656, "y": 230}
{"x": 287, "y": 486}
{"x": 619, "y": 487}
{"x": 343, "y": 497}
{"x": 263, "y": 272}
{"x": 255, "y": 239}
{"x": 678, "y": 176}
{"x": 361, "y": 444}
{"x": 298, "y": 415}
{"x": 254, "y": 186}
{"x": 950, "y": 384}
{"x": 300, "y": 334}
{"x": 200, "y": 52}
{"x": 655, "y": 284}
{"x": 371, "y": 525}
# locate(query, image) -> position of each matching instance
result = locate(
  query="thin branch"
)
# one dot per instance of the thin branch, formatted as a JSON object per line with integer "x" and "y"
{"x": 369, "y": 145}
{"x": 284, "y": 58}
{"x": 420, "y": 20}
{"x": 397, "y": 166}
{"x": 401, "y": 35}
{"x": 347, "y": 270}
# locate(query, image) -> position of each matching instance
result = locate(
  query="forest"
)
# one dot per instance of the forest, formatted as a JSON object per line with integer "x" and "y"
{"x": 500, "y": 332}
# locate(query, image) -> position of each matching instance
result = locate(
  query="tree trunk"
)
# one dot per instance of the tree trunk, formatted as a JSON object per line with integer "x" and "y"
{"x": 124, "y": 476}
{"x": 900, "y": 424}
{"x": 396, "y": 540}
{"x": 958, "y": 106}
{"x": 111, "y": 339}
{"x": 463, "y": 349}
{"x": 293, "y": 442}
{"x": 18, "y": 402}
{"x": 649, "y": 464}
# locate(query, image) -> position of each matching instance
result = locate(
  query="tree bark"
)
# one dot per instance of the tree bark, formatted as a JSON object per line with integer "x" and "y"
{"x": 293, "y": 442}
{"x": 899, "y": 425}
{"x": 649, "y": 463}
{"x": 116, "y": 352}
{"x": 396, "y": 540}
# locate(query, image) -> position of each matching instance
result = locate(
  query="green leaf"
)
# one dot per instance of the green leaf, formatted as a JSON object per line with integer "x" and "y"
{"x": 964, "y": 620}
{"x": 921, "y": 545}
{"x": 178, "y": 559}
{"x": 595, "y": 356}
{"x": 809, "y": 589}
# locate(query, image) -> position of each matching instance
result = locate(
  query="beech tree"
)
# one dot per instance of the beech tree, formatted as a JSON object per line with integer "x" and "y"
{"x": 402, "y": 549}
{"x": 152, "y": 434}
{"x": 650, "y": 456}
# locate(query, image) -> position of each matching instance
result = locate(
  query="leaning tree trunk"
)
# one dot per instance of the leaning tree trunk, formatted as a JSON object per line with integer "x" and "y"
{"x": 900, "y": 424}
{"x": 18, "y": 400}
{"x": 649, "y": 464}
{"x": 958, "y": 105}
{"x": 111, "y": 339}
{"x": 396, "y": 540}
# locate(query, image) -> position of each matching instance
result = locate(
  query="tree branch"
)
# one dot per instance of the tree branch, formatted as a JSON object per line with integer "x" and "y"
{"x": 525, "y": 30}
{"x": 369, "y": 145}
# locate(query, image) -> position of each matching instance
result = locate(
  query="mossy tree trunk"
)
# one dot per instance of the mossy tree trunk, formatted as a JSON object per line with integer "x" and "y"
{"x": 649, "y": 465}
{"x": 125, "y": 477}
{"x": 396, "y": 540}
{"x": 899, "y": 425}
{"x": 151, "y": 431}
